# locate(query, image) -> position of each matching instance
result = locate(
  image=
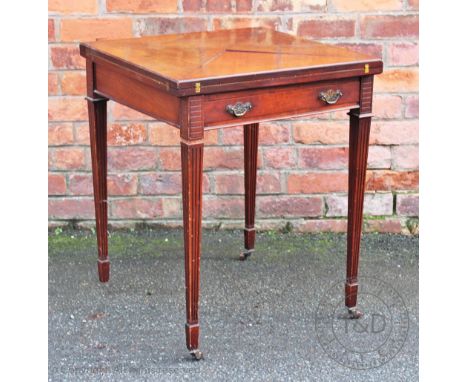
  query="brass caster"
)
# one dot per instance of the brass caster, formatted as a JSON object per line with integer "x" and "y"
{"x": 244, "y": 255}
{"x": 196, "y": 354}
{"x": 354, "y": 314}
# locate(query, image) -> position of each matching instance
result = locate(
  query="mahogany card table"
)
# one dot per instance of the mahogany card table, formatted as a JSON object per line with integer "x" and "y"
{"x": 210, "y": 80}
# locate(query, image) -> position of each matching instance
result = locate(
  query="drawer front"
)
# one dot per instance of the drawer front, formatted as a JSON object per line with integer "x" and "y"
{"x": 256, "y": 105}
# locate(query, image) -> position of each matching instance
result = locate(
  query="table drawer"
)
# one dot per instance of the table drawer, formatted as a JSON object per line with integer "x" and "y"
{"x": 256, "y": 105}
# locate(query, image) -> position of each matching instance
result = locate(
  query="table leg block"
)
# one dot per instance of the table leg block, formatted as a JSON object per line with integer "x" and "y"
{"x": 192, "y": 332}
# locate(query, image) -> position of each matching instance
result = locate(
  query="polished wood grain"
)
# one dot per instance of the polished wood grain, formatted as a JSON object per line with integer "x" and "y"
{"x": 217, "y": 60}
{"x": 208, "y": 80}
{"x": 136, "y": 92}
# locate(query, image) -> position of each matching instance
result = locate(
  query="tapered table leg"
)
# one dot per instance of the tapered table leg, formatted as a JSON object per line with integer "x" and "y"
{"x": 192, "y": 172}
{"x": 97, "y": 108}
{"x": 250, "y": 184}
{"x": 358, "y": 150}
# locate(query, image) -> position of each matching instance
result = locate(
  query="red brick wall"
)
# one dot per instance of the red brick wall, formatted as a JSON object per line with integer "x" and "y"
{"x": 302, "y": 162}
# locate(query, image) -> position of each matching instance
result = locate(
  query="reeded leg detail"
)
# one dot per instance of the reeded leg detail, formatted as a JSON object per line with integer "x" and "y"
{"x": 97, "y": 108}
{"x": 358, "y": 150}
{"x": 250, "y": 184}
{"x": 192, "y": 171}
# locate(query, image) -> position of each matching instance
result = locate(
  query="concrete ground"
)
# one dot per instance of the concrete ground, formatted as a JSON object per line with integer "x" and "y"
{"x": 257, "y": 317}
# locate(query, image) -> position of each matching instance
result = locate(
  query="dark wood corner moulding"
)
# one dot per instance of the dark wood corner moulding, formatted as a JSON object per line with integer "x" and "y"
{"x": 209, "y": 80}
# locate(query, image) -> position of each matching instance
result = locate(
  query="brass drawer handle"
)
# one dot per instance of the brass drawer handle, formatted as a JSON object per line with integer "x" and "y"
{"x": 239, "y": 109}
{"x": 330, "y": 96}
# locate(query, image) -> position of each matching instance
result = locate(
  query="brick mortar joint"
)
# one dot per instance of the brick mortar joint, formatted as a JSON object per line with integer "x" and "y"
{"x": 356, "y": 15}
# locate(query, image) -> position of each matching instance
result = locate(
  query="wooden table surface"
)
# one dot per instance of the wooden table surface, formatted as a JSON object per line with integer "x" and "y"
{"x": 227, "y": 56}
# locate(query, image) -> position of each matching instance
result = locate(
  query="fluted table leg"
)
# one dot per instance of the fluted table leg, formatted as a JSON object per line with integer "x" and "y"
{"x": 358, "y": 150}
{"x": 359, "y": 130}
{"x": 191, "y": 145}
{"x": 250, "y": 183}
{"x": 192, "y": 172}
{"x": 97, "y": 110}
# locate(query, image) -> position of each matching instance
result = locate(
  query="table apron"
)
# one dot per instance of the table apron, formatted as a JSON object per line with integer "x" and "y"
{"x": 279, "y": 102}
{"x": 267, "y": 104}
